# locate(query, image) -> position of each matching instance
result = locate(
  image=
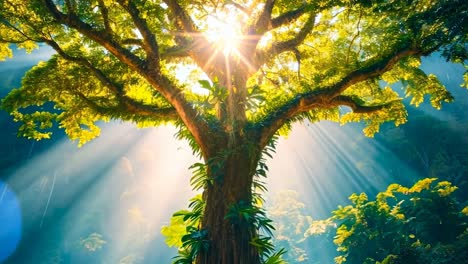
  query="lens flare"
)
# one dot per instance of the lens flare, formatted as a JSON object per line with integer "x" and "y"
{"x": 10, "y": 221}
{"x": 224, "y": 33}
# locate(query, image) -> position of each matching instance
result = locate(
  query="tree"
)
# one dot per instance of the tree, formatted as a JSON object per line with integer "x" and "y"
{"x": 291, "y": 61}
{"x": 421, "y": 224}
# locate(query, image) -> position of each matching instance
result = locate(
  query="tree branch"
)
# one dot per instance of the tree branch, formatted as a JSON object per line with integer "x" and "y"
{"x": 179, "y": 51}
{"x": 14, "y": 28}
{"x": 105, "y": 16}
{"x": 172, "y": 93}
{"x": 182, "y": 18}
{"x": 330, "y": 96}
{"x": 288, "y": 17}
{"x": 150, "y": 45}
{"x": 166, "y": 114}
{"x": 198, "y": 46}
{"x": 116, "y": 89}
{"x": 240, "y": 7}
{"x": 373, "y": 69}
{"x": 356, "y": 106}
{"x": 128, "y": 103}
{"x": 105, "y": 40}
{"x": 287, "y": 45}
{"x": 263, "y": 22}
{"x": 131, "y": 41}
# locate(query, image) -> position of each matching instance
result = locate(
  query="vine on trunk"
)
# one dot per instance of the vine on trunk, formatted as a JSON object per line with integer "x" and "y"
{"x": 185, "y": 229}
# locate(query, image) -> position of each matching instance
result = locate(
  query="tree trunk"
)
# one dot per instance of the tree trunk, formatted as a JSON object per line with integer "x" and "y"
{"x": 230, "y": 237}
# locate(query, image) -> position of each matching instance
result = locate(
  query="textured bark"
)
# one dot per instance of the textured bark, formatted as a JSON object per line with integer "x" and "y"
{"x": 230, "y": 240}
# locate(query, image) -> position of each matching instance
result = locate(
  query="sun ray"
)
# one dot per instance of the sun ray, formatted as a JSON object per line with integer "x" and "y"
{"x": 224, "y": 33}
{"x": 244, "y": 60}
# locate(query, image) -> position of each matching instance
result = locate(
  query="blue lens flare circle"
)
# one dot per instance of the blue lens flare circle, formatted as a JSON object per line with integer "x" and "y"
{"x": 10, "y": 221}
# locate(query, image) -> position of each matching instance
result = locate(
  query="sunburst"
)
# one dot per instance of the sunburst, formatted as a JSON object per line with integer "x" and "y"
{"x": 225, "y": 34}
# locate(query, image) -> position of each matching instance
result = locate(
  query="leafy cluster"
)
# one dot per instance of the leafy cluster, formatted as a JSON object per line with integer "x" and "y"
{"x": 63, "y": 92}
{"x": 184, "y": 232}
{"x": 421, "y": 224}
{"x": 264, "y": 244}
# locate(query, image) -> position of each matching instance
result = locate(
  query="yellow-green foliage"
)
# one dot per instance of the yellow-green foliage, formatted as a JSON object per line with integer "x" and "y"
{"x": 86, "y": 82}
{"x": 175, "y": 231}
{"x": 412, "y": 222}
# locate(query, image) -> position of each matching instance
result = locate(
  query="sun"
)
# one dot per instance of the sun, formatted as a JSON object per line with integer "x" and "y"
{"x": 225, "y": 34}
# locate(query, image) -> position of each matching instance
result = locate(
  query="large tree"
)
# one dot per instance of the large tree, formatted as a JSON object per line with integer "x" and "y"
{"x": 280, "y": 62}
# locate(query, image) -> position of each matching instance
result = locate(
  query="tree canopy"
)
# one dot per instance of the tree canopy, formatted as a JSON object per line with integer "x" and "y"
{"x": 293, "y": 61}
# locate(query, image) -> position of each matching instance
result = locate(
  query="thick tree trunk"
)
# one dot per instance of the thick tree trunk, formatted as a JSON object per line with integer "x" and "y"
{"x": 234, "y": 163}
{"x": 230, "y": 237}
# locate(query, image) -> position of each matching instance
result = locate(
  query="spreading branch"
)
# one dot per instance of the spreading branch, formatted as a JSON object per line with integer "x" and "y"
{"x": 179, "y": 51}
{"x": 166, "y": 114}
{"x": 129, "y": 104}
{"x": 105, "y": 16}
{"x": 196, "y": 45}
{"x": 100, "y": 37}
{"x": 356, "y": 106}
{"x": 288, "y": 17}
{"x": 19, "y": 31}
{"x": 132, "y": 41}
{"x": 288, "y": 45}
{"x": 257, "y": 29}
{"x": 331, "y": 96}
{"x": 150, "y": 45}
{"x": 196, "y": 125}
{"x": 181, "y": 17}
{"x": 263, "y": 22}
{"x": 372, "y": 70}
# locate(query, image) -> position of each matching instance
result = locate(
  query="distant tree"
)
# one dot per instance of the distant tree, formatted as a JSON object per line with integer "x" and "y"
{"x": 421, "y": 224}
{"x": 280, "y": 62}
{"x": 291, "y": 224}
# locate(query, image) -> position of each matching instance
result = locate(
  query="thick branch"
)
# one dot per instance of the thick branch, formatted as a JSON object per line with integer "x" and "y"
{"x": 166, "y": 114}
{"x": 263, "y": 22}
{"x": 179, "y": 51}
{"x": 330, "y": 96}
{"x": 131, "y": 41}
{"x": 133, "y": 107}
{"x": 105, "y": 16}
{"x": 116, "y": 89}
{"x": 257, "y": 29}
{"x": 196, "y": 125}
{"x": 356, "y": 106}
{"x": 105, "y": 40}
{"x": 182, "y": 18}
{"x": 197, "y": 46}
{"x": 287, "y": 45}
{"x": 128, "y": 103}
{"x": 372, "y": 70}
{"x": 19, "y": 31}
{"x": 150, "y": 45}
{"x": 288, "y": 17}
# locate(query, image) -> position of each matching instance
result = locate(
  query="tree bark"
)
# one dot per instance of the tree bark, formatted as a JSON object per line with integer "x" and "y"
{"x": 230, "y": 237}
